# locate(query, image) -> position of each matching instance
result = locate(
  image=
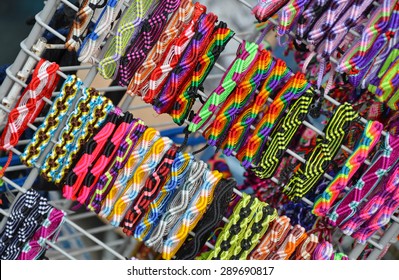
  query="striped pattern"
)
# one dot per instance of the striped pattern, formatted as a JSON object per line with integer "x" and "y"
{"x": 293, "y": 239}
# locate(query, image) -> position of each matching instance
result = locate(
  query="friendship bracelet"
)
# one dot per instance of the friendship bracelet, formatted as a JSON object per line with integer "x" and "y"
{"x": 247, "y": 53}
{"x": 255, "y": 230}
{"x": 283, "y": 135}
{"x": 251, "y": 151}
{"x": 289, "y": 14}
{"x": 181, "y": 73}
{"x": 111, "y": 194}
{"x": 334, "y": 10}
{"x": 241, "y": 126}
{"x": 139, "y": 83}
{"x": 128, "y": 25}
{"x": 266, "y": 8}
{"x": 54, "y": 117}
{"x": 186, "y": 99}
{"x": 211, "y": 218}
{"x": 324, "y": 251}
{"x": 194, "y": 212}
{"x": 103, "y": 186}
{"x": 136, "y": 182}
{"x": 92, "y": 149}
{"x": 150, "y": 31}
{"x": 177, "y": 206}
{"x": 374, "y": 204}
{"x": 321, "y": 156}
{"x": 92, "y": 42}
{"x": 370, "y": 137}
{"x": 217, "y": 130}
{"x": 234, "y": 230}
{"x": 388, "y": 84}
{"x": 44, "y": 80}
{"x": 383, "y": 161}
{"x": 175, "y": 179}
{"x": 293, "y": 239}
{"x": 152, "y": 187}
{"x": 48, "y": 230}
{"x": 172, "y": 55}
{"x": 81, "y": 22}
{"x": 363, "y": 51}
{"x": 108, "y": 154}
{"x": 308, "y": 18}
{"x": 305, "y": 250}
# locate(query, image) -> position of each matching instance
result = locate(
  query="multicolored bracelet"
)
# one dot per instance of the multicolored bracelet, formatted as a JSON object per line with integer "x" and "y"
{"x": 288, "y": 16}
{"x": 291, "y": 242}
{"x": 266, "y": 8}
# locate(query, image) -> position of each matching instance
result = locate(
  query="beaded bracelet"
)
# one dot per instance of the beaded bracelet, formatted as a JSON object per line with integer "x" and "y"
{"x": 128, "y": 25}
{"x": 273, "y": 239}
{"x": 107, "y": 180}
{"x": 318, "y": 161}
{"x": 24, "y": 205}
{"x": 334, "y": 10}
{"x": 139, "y": 83}
{"x": 54, "y": 117}
{"x": 92, "y": 42}
{"x": 289, "y": 14}
{"x": 233, "y": 231}
{"x": 181, "y": 73}
{"x": 137, "y": 181}
{"x": 283, "y": 135}
{"x": 81, "y": 23}
{"x": 251, "y": 150}
{"x": 44, "y": 80}
{"x": 211, "y": 218}
{"x": 307, "y": 19}
{"x": 382, "y": 163}
{"x": 217, "y": 130}
{"x": 91, "y": 151}
{"x": 172, "y": 55}
{"x": 150, "y": 31}
{"x": 247, "y": 53}
{"x": 387, "y": 188}
{"x": 177, "y": 206}
{"x": 293, "y": 239}
{"x": 151, "y": 188}
{"x": 185, "y": 101}
{"x": 363, "y": 51}
{"x": 266, "y": 8}
{"x": 305, "y": 250}
{"x": 241, "y": 126}
{"x": 370, "y": 137}
{"x": 195, "y": 210}
{"x": 176, "y": 178}
{"x": 81, "y": 193}
{"x": 48, "y": 230}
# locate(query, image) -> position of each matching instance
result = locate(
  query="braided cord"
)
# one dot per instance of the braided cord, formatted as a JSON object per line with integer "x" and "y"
{"x": 240, "y": 127}
{"x": 194, "y": 212}
{"x": 172, "y": 55}
{"x": 318, "y": 161}
{"x": 211, "y": 218}
{"x": 305, "y": 250}
{"x": 370, "y": 137}
{"x": 136, "y": 183}
{"x": 293, "y": 239}
{"x": 150, "y": 31}
{"x": 185, "y": 67}
{"x": 152, "y": 187}
{"x": 218, "y": 129}
{"x": 128, "y": 25}
{"x": 272, "y": 239}
{"x": 283, "y": 135}
{"x": 139, "y": 83}
{"x": 251, "y": 151}
{"x": 44, "y": 80}
{"x": 54, "y": 117}
{"x": 246, "y": 55}
{"x": 382, "y": 163}
{"x": 265, "y": 9}
{"x": 107, "y": 180}
{"x": 324, "y": 251}
{"x": 389, "y": 83}
{"x": 185, "y": 101}
{"x": 177, "y": 176}
{"x": 374, "y": 204}
{"x": 289, "y": 15}
{"x": 307, "y": 19}
{"x": 177, "y": 206}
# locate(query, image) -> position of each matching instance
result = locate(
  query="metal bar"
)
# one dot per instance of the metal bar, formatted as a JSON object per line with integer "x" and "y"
{"x": 392, "y": 231}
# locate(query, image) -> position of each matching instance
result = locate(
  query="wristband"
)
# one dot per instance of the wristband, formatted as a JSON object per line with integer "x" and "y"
{"x": 293, "y": 239}
{"x": 265, "y": 9}
{"x": 324, "y": 251}
{"x": 305, "y": 250}
{"x": 289, "y": 14}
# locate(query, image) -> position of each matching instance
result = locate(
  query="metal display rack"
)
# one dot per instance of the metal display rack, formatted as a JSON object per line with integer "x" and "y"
{"x": 117, "y": 246}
